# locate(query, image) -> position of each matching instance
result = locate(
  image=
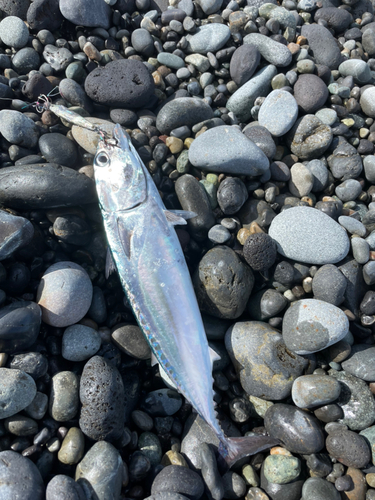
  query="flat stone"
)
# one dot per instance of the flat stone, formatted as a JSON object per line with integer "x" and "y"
{"x": 208, "y": 38}
{"x": 101, "y": 471}
{"x": 273, "y": 52}
{"x": 227, "y": 149}
{"x": 311, "y": 325}
{"x": 242, "y": 101}
{"x": 265, "y": 367}
{"x": 182, "y": 111}
{"x": 278, "y": 112}
{"x": 308, "y": 235}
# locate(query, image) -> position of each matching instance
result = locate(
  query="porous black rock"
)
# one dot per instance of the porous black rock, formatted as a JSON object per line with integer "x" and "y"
{"x": 125, "y": 83}
{"x": 260, "y": 251}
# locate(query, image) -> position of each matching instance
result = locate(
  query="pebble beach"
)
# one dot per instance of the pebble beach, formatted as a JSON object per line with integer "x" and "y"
{"x": 258, "y": 117}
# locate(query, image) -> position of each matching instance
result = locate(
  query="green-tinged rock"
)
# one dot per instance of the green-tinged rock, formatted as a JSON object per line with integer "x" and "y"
{"x": 250, "y": 475}
{"x": 213, "y": 179}
{"x": 211, "y": 191}
{"x": 150, "y": 446}
{"x": 260, "y": 405}
{"x": 281, "y": 469}
{"x": 369, "y": 435}
{"x": 183, "y": 164}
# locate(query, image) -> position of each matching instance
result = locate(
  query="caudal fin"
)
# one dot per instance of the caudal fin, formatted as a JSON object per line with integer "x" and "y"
{"x": 233, "y": 449}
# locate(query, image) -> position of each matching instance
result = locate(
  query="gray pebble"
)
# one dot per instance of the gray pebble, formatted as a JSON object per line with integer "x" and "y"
{"x": 63, "y": 400}
{"x": 266, "y": 304}
{"x": 94, "y": 14}
{"x": 64, "y": 488}
{"x": 210, "y": 473}
{"x": 174, "y": 478}
{"x": 226, "y": 149}
{"x": 323, "y": 45}
{"x": 278, "y": 112}
{"x": 329, "y": 285}
{"x": 161, "y": 403}
{"x": 19, "y": 129}
{"x": 64, "y": 294}
{"x": 143, "y": 42}
{"x": 25, "y": 60}
{"x": 80, "y": 342}
{"x": 17, "y": 391}
{"x": 273, "y": 52}
{"x": 208, "y": 38}
{"x": 317, "y": 488}
{"x": 310, "y": 93}
{"x": 262, "y": 138}
{"x": 14, "y": 32}
{"x": 349, "y": 448}
{"x": 327, "y": 116}
{"x": 130, "y": 339}
{"x": 170, "y": 60}
{"x": 15, "y": 232}
{"x": 218, "y": 235}
{"x": 361, "y": 250}
{"x": 356, "y": 68}
{"x": 345, "y": 162}
{"x": 58, "y": 58}
{"x": 182, "y": 111}
{"x": 223, "y": 291}
{"x": 38, "y": 406}
{"x": 311, "y": 325}
{"x": 369, "y": 167}
{"x": 360, "y": 363}
{"x": 369, "y": 272}
{"x": 310, "y": 391}
{"x": 19, "y": 478}
{"x": 301, "y": 180}
{"x": 243, "y": 63}
{"x": 234, "y": 485}
{"x": 352, "y": 225}
{"x": 348, "y": 190}
{"x": 308, "y": 235}
{"x": 320, "y": 175}
{"x": 101, "y": 471}
{"x": 255, "y": 349}
{"x": 367, "y": 102}
{"x": 309, "y": 138}
{"x": 231, "y": 195}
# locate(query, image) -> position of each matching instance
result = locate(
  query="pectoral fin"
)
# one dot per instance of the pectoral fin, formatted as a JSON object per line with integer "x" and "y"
{"x": 110, "y": 266}
{"x": 125, "y": 237}
{"x": 214, "y": 356}
{"x": 178, "y": 217}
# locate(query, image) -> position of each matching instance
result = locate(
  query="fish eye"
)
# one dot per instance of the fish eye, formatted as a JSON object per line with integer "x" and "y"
{"x": 102, "y": 159}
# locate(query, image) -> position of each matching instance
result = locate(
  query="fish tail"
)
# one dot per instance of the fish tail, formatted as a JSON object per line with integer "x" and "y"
{"x": 233, "y": 449}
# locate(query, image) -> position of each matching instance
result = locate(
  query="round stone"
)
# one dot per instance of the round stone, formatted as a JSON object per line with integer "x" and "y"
{"x": 301, "y": 180}
{"x": 19, "y": 326}
{"x": 349, "y": 448}
{"x": 310, "y": 391}
{"x": 311, "y": 325}
{"x": 73, "y": 447}
{"x": 19, "y": 129}
{"x": 179, "y": 480}
{"x": 17, "y": 391}
{"x": 262, "y": 138}
{"x": 317, "y": 488}
{"x": 281, "y": 469}
{"x": 310, "y": 92}
{"x": 231, "y": 195}
{"x": 80, "y": 342}
{"x": 25, "y": 60}
{"x": 266, "y": 304}
{"x": 348, "y": 190}
{"x": 308, "y": 235}
{"x": 208, "y": 38}
{"x": 57, "y": 148}
{"x": 329, "y": 285}
{"x": 64, "y": 488}
{"x": 19, "y": 477}
{"x": 258, "y": 352}
{"x": 223, "y": 283}
{"x": 356, "y": 68}
{"x": 64, "y": 294}
{"x": 367, "y": 102}
{"x": 14, "y": 32}
{"x": 260, "y": 251}
{"x": 243, "y": 63}
{"x": 278, "y": 112}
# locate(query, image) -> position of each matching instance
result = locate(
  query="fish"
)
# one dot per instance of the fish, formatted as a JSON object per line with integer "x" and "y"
{"x": 151, "y": 265}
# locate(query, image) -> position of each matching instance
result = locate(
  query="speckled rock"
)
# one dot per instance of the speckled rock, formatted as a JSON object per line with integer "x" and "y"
{"x": 356, "y": 401}
{"x": 64, "y": 294}
{"x": 309, "y": 138}
{"x": 101, "y": 470}
{"x": 273, "y": 52}
{"x": 125, "y": 83}
{"x": 323, "y": 45}
{"x": 19, "y": 478}
{"x": 265, "y": 367}
{"x": 64, "y": 488}
{"x": 308, "y": 235}
{"x": 92, "y": 14}
{"x": 297, "y": 429}
{"x": 278, "y": 112}
{"x": 281, "y": 469}
{"x": 310, "y": 391}
{"x": 14, "y": 32}
{"x": 17, "y": 391}
{"x": 223, "y": 283}
{"x": 311, "y": 325}
{"x": 349, "y": 448}
{"x": 329, "y": 284}
{"x": 79, "y": 343}
{"x": 259, "y": 251}
{"x": 227, "y": 149}
{"x": 361, "y": 362}
{"x": 102, "y": 397}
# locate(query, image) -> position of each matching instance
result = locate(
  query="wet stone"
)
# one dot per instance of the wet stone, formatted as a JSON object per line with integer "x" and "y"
{"x": 310, "y": 391}
{"x": 57, "y": 148}
{"x": 297, "y": 429}
{"x": 223, "y": 283}
{"x": 101, "y": 471}
{"x": 311, "y": 325}
{"x": 149, "y": 445}
{"x": 34, "y": 364}
{"x": 349, "y": 448}
{"x": 258, "y": 352}
{"x": 102, "y": 397}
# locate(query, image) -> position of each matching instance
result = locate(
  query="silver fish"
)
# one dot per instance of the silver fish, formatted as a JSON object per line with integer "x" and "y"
{"x": 156, "y": 280}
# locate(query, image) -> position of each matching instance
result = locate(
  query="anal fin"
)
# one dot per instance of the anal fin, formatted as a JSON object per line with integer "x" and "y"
{"x": 110, "y": 266}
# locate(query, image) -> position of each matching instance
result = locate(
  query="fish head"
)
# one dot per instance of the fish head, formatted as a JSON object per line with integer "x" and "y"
{"x": 119, "y": 173}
